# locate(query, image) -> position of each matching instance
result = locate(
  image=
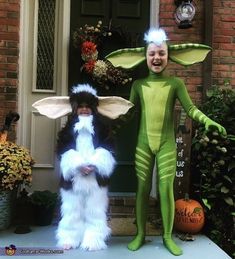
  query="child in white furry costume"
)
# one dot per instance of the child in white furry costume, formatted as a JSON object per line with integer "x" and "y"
{"x": 85, "y": 168}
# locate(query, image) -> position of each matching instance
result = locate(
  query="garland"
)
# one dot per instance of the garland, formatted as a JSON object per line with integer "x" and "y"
{"x": 88, "y": 38}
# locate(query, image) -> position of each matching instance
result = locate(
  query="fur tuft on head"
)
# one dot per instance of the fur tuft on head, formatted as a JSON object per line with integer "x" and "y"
{"x": 157, "y": 36}
{"x": 83, "y": 88}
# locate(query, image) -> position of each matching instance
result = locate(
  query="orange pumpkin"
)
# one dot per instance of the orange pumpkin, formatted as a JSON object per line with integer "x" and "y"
{"x": 189, "y": 216}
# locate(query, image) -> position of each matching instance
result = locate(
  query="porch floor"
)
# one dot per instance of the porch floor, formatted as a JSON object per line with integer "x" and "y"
{"x": 44, "y": 238}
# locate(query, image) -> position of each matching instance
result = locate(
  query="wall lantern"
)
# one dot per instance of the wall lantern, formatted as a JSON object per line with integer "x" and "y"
{"x": 184, "y": 13}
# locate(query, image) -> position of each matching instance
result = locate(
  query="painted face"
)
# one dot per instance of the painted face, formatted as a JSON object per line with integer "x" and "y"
{"x": 157, "y": 57}
{"x": 84, "y": 110}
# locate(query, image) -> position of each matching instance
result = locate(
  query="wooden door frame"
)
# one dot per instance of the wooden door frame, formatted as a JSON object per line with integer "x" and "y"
{"x": 154, "y": 13}
{"x": 61, "y": 76}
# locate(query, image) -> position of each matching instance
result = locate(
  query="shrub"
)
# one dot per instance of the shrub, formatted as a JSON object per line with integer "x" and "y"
{"x": 44, "y": 198}
{"x": 213, "y": 168}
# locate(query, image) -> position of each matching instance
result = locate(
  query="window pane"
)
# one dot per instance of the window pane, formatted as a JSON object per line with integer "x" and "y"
{"x": 45, "y": 46}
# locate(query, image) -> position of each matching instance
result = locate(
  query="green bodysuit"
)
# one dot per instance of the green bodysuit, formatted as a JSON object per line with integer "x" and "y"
{"x": 156, "y": 95}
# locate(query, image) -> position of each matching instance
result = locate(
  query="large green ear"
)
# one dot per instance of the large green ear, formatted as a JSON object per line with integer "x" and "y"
{"x": 188, "y": 53}
{"x": 183, "y": 54}
{"x": 127, "y": 58}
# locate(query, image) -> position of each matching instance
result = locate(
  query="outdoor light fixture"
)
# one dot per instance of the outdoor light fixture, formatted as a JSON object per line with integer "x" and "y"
{"x": 184, "y": 13}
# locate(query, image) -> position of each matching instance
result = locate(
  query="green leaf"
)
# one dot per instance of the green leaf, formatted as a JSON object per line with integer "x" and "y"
{"x": 209, "y": 93}
{"x": 206, "y": 203}
{"x": 204, "y": 154}
{"x": 228, "y": 178}
{"x": 218, "y": 185}
{"x": 231, "y": 166}
{"x": 231, "y": 137}
{"x": 224, "y": 189}
{"x": 229, "y": 201}
{"x": 197, "y": 146}
{"x": 197, "y": 210}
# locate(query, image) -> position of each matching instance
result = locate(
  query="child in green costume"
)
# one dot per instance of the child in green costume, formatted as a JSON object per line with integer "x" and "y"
{"x": 156, "y": 95}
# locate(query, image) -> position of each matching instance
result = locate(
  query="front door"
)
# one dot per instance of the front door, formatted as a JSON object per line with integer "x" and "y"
{"x": 127, "y": 20}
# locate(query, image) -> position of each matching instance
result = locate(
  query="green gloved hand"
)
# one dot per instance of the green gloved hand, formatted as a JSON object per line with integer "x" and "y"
{"x": 212, "y": 124}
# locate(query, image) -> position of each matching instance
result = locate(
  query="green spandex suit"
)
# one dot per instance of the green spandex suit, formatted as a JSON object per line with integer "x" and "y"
{"x": 156, "y": 95}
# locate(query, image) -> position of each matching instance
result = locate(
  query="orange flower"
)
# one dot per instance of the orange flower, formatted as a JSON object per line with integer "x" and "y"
{"x": 89, "y": 66}
{"x": 88, "y": 48}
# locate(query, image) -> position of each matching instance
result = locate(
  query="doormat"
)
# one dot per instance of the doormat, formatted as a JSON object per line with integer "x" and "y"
{"x": 127, "y": 227}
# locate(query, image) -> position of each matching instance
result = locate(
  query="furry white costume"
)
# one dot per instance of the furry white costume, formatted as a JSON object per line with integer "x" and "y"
{"x": 84, "y": 204}
{"x": 83, "y": 196}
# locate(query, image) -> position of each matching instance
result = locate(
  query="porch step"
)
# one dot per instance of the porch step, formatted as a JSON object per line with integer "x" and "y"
{"x": 124, "y": 206}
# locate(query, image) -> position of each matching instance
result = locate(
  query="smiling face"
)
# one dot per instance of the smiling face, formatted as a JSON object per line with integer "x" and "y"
{"x": 84, "y": 110}
{"x": 157, "y": 57}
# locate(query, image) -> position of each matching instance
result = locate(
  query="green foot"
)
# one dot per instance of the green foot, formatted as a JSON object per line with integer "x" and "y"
{"x": 136, "y": 243}
{"x": 172, "y": 247}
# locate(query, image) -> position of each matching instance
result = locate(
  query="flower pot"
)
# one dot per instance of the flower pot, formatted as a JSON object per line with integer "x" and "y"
{"x": 43, "y": 216}
{"x": 5, "y": 209}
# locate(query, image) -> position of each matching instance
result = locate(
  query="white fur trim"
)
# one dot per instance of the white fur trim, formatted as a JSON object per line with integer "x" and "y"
{"x": 157, "y": 36}
{"x": 84, "y": 184}
{"x": 104, "y": 161}
{"x": 71, "y": 226}
{"x": 96, "y": 228}
{"x": 84, "y": 122}
{"x": 83, "y": 223}
{"x": 83, "y": 88}
{"x": 84, "y": 141}
{"x": 93, "y": 241}
{"x": 70, "y": 162}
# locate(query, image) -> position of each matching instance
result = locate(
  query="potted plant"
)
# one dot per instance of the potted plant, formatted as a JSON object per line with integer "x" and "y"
{"x": 15, "y": 166}
{"x": 15, "y": 170}
{"x": 44, "y": 203}
{"x": 213, "y": 168}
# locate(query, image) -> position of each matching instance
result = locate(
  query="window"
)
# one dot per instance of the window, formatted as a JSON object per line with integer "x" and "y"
{"x": 45, "y": 44}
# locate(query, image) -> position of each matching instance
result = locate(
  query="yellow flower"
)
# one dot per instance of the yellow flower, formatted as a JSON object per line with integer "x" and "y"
{"x": 15, "y": 166}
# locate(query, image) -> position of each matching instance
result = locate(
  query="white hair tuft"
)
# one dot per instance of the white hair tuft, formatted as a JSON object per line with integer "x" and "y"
{"x": 83, "y": 88}
{"x": 157, "y": 36}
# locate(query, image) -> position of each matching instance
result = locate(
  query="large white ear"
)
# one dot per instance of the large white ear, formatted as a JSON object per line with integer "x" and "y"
{"x": 113, "y": 106}
{"x": 53, "y": 107}
{"x": 58, "y": 106}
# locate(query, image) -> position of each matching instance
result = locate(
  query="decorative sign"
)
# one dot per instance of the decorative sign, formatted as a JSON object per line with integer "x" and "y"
{"x": 183, "y": 143}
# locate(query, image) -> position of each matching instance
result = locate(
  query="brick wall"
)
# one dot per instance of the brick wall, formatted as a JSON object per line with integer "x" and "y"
{"x": 192, "y": 75}
{"x": 223, "y": 54}
{"x": 9, "y": 57}
{"x": 224, "y": 42}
